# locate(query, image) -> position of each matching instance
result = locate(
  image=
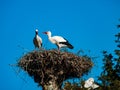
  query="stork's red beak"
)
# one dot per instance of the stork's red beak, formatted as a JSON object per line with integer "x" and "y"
{"x": 44, "y": 32}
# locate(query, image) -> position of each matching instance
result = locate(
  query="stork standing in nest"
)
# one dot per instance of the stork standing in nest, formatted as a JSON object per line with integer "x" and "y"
{"x": 58, "y": 40}
{"x": 37, "y": 40}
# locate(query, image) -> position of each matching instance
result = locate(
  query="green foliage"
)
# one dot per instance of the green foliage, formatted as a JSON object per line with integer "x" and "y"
{"x": 74, "y": 86}
{"x": 110, "y": 77}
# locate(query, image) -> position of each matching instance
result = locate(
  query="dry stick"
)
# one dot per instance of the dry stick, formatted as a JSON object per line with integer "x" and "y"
{"x": 25, "y": 49}
{"x": 18, "y": 73}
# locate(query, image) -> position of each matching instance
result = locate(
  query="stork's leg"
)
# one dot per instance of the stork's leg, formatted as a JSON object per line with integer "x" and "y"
{"x": 34, "y": 49}
{"x": 58, "y": 47}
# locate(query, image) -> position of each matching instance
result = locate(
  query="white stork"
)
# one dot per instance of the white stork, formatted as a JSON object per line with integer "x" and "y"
{"x": 37, "y": 40}
{"x": 90, "y": 84}
{"x": 58, "y": 40}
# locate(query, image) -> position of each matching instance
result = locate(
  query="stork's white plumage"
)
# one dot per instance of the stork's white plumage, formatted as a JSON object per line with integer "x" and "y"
{"x": 37, "y": 40}
{"x": 90, "y": 84}
{"x": 58, "y": 40}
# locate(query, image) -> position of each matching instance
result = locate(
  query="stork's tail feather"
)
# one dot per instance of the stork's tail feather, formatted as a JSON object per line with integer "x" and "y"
{"x": 68, "y": 44}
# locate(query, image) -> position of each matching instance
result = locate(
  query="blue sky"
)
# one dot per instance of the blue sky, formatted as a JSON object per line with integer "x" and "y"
{"x": 87, "y": 24}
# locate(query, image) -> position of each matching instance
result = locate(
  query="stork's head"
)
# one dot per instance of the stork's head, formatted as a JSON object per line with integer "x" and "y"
{"x": 91, "y": 80}
{"x": 36, "y": 31}
{"x": 48, "y": 33}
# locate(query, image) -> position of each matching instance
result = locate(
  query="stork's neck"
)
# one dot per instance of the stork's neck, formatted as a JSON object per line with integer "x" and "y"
{"x": 49, "y": 35}
{"x": 36, "y": 34}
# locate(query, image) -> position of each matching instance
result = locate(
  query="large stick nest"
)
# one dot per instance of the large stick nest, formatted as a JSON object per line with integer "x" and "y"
{"x": 46, "y": 65}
